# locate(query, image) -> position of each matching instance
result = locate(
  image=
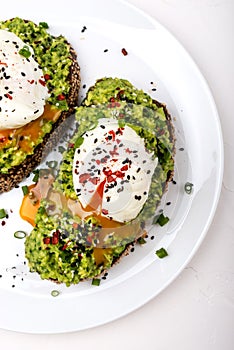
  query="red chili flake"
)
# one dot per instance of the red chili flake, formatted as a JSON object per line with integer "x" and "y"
{"x": 42, "y": 82}
{"x": 55, "y": 238}
{"x": 46, "y": 240}
{"x": 30, "y": 81}
{"x": 107, "y": 172}
{"x": 94, "y": 180}
{"x": 8, "y": 96}
{"x": 71, "y": 145}
{"x": 47, "y": 77}
{"x": 75, "y": 225}
{"x": 3, "y": 223}
{"x": 112, "y": 99}
{"x": 120, "y": 94}
{"x": 124, "y": 168}
{"x": 112, "y": 133}
{"x": 110, "y": 178}
{"x": 127, "y": 150}
{"x": 84, "y": 177}
{"x": 124, "y": 52}
{"x": 119, "y": 174}
{"x": 114, "y": 152}
{"x": 89, "y": 239}
{"x": 3, "y": 63}
{"x": 120, "y": 131}
{"x": 2, "y": 139}
{"x": 61, "y": 97}
{"x": 65, "y": 246}
{"x": 104, "y": 211}
{"x": 98, "y": 162}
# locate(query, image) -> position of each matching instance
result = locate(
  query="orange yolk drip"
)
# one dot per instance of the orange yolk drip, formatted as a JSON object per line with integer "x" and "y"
{"x": 28, "y": 210}
{"x": 31, "y": 130}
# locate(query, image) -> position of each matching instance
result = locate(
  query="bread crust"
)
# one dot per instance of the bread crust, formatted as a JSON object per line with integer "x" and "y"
{"x": 17, "y": 173}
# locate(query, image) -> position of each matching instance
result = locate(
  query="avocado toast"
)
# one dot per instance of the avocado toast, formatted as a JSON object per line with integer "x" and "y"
{"x": 22, "y": 147}
{"x": 110, "y": 181}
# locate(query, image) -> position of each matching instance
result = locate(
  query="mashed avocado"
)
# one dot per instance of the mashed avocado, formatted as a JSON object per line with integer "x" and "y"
{"x": 52, "y": 54}
{"x": 63, "y": 247}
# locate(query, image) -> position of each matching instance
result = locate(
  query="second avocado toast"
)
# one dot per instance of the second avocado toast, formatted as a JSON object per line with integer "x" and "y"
{"x": 81, "y": 228}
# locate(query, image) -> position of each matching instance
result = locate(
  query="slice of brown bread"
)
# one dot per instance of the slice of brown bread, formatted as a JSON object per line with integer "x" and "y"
{"x": 17, "y": 173}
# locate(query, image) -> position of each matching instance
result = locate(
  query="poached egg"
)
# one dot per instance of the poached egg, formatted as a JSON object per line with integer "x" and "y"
{"x": 23, "y": 91}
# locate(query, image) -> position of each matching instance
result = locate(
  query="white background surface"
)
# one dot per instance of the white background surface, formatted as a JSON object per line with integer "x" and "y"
{"x": 197, "y": 310}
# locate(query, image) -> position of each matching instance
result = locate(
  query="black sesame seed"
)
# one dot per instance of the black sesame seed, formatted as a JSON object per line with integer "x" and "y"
{"x": 152, "y": 237}
{"x": 105, "y": 50}
{"x": 168, "y": 203}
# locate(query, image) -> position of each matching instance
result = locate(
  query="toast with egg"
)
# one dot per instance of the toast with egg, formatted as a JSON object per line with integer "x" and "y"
{"x": 111, "y": 179}
{"x": 40, "y": 80}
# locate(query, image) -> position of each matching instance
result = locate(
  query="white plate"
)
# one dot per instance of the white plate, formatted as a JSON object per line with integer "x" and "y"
{"x": 153, "y": 56}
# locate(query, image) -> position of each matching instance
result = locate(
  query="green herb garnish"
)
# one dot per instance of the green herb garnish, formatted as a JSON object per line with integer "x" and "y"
{"x": 20, "y": 234}
{"x": 25, "y": 190}
{"x": 43, "y": 25}
{"x": 36, "y": 175}
{"x": 188, "y": 187}
{"x": 141, "y": 240}
{"x": 161, "y": 253}
{"x": 55, "y": 293}
{"x": 79, "y": 142}
{"x": 96, "y": 281}
{"x": 25, "y": 51}
{"x": 161, "y": 220}
{"x": 2, "y": 213}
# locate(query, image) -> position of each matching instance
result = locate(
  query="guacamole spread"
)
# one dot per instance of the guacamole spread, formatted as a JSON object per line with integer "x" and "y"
{"x": 53, "y": 56}
{"x": 70, "y": 243}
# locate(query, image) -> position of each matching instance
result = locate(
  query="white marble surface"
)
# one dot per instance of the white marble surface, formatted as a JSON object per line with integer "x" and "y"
{"x": 197, "y": 310}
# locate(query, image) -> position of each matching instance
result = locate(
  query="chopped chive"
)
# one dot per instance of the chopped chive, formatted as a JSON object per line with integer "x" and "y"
{"x": 43, "y": 25}
{"x": 188, "y": 187}
{"x": 161, "y": 220}
{"x": 2, "y": 213}
{"x": 79, "y": 142}
{"x": 36, "y": 175}
{"x": 25, "y": 51}
{"x": 141, "y": 240}
{"x": 121, "y": 123}
{"x": 161, "y": 253}
{"x": 96, "y": 282}
{"x": 20, "y": 234}
{"x": 25, "y": 190}
{"x": 52, "y": 164}
{"x": 55, "y": 293}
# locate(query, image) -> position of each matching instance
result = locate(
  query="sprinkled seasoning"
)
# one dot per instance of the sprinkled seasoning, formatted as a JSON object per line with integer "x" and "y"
{"x": 96, "y": 281}
{"x": 188, "y": 187}
{"x": 83, "y": 29}
{"x": 161, "y": 253}
{"x": 55, "y": 293}
{"x": 124, "y": 52}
